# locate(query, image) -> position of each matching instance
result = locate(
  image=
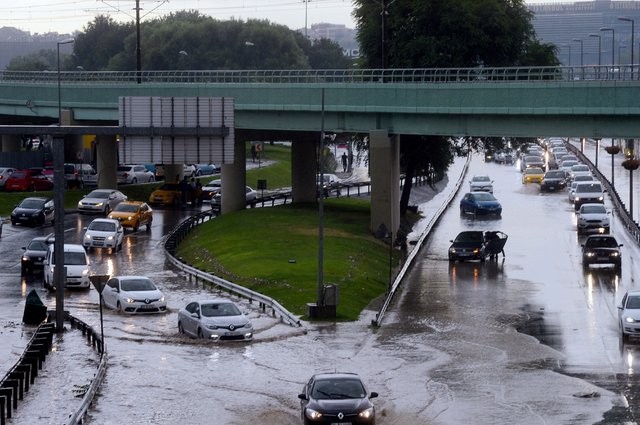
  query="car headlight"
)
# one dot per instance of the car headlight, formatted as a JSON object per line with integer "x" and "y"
{"x": 87, "y": 237}
{"x": 85, "y": 272}
{"x": 80, "y": 204}
{"x": 476, "y": 250}
{"x": 629, "y": 319}
{"x": 367, "y": 413}
{"x": 129, "y": 300}
{"x": 110, "y": 238}
{"x": 162, "y": 299}
{"x": 130, "y": 218}
{"x": 615, "y": 254}
{"x": 577, "y": 198}
{"x": 452, "y": 250}
{"x": 99, "y": 204}
{"x": 212, "y": 327}
{"x": 312, "y": 414}
{"x": 590, "y": 254}
{"x": 25, "y": 258}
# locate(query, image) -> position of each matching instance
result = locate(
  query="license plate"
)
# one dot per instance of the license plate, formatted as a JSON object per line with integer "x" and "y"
{"x": 97, "y": 243}
{"x": 552, "y": 188}
{"x": 340, "y": 423}
{"x": 147, "y": 307}
{"x": 603, "y": 258}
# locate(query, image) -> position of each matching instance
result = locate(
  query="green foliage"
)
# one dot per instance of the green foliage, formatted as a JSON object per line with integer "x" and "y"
{"x": 43, "y": 60}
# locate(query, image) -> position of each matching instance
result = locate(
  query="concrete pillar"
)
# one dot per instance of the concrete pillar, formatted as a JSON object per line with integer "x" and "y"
{"x": 107, "y": 162}
{"x": 234, "y": 180}
{"x": 73, "y": 146}
{"x": 384, "y": 167}
{"x": 303, "y": 171}
{"x": 173, "y": 172}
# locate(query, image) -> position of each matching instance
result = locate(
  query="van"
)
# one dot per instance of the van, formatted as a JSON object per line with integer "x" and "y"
{"x": 79, "y": 175}
{"x": 77, "y": 263}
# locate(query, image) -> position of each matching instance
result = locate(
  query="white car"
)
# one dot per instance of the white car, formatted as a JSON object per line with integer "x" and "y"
{"x": 250, "y": 194}
{"x": 189, "y": 170}
{"x": 217, "y": 319}
{"x": 579, "y": 170}
{"x": 76, "y": 261}
{"x": 101, "y": 201}
{"x": 574, "y": 183}
{"x": 104, "y": 233}
{"x": 593, "y": 218}
{"x": 132, "y": 174}
{"x": 133, "y": 294}
{"x": 481, "y": 184}
{"x": 629, "y": 315}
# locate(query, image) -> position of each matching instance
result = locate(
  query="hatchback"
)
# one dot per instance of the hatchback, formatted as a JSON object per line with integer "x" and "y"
{"x": 133, "y": 294}
{"x": 629, "y": 315}
{"x": 336, "y": 398}
{"x": 33, "y": 211}
{"x": 217, "y": 319}
{"x": 133, "y": 214}
{"x": 103, "y": 233}
{"x": 601, "y": 249}
{"x": 33, "y": 256}
{"x": 5, "y": 172}
{"x": 480, "y": 203}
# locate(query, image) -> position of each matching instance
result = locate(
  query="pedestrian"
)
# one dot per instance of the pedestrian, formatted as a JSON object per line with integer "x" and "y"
{"x": 253, "y": 152}
{"x": 350, "y": 165}
{"x": 344, "y": 162}
{"x": 192, "y": 191}
{"x": 184, "y": 189}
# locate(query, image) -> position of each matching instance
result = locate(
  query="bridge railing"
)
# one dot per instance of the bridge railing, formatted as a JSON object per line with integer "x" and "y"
{"x": 333, "y": 76}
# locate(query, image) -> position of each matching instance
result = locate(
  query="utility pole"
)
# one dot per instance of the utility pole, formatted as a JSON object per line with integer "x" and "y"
{"x": 138, "y": 50}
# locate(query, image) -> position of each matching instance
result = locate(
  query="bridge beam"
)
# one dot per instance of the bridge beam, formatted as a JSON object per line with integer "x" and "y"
{"x": 384, "y": 166}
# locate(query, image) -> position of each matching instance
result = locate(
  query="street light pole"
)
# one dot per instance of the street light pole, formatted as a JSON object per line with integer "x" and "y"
{"x": 599, "y": 50}
{"x": 632, "y": 40}
{"x": 60, "y": 272}
{"x": 613, "y": 45}
{"x": 581, "y": 54}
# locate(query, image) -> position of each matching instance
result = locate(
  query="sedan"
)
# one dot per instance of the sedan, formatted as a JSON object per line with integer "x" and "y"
{"x": 336, "y": 398}
{"x": 166, "y": 194}
{"x": 480, "y": 203}
{"x": 133, "y": 214}
{"x": 101, "y": 201}
{"x": 27, "y": 180}
{"x": 481, "y": 184}
{"x": 553, "y": 180}
{"x": 217, "y": 319}
{"x": 593, "y": 218}
{"x": 532, "y": 175}
{"x": 468, "y": 245}
{"x": 601, "y": 249}
{"x": 206, "y": 169}
{"x": 250, "y": 197}
{"x": 629, "y": 315}
{"x": 33, "y": 211}
{"x": 132, "y": 174}
{"x": 103, "y": 233}
{"x": 33, "y": 256}
{"x": 133, "y": 294}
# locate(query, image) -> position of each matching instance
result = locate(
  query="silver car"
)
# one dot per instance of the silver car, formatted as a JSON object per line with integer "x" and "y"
{"x": 101, "y": 201}
{"x": 132, "y": 174}
{"x": 133, "y": 294}
{"x": 629, "y": 315}
{"x": 217, "y": 319}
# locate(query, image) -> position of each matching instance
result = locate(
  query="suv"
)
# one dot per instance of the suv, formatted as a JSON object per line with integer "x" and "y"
{"x": 79, "y": 175}
{"x": 587, "y": 193}
{"x": 601, "y": 249}
{"x": 593, "y": 218}
{"x": 76, "y": 262}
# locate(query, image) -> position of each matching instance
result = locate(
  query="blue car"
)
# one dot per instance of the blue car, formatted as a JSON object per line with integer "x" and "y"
{"x": 480, "y": 203}
{"x": 206, "y": 169}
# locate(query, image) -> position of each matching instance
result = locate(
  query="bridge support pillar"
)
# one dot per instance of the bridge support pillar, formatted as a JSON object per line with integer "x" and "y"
{"x": 73, "y": 146}
{"x": 303, "y": 171}
{"x": 106, "y": 162}
{"x": 234, "y": 180}
{"x": 173, "y": 172}
{"x": 384, "y": 166}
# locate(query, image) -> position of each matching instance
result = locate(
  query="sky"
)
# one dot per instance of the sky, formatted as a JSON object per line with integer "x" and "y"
{"x": 67, "y": 16}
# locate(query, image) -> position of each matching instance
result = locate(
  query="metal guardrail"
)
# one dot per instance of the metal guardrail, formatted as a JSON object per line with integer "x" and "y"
{"x": 414, "y": 252}
{"x": 337, "y": 76}
{"x": 631, "y": 226}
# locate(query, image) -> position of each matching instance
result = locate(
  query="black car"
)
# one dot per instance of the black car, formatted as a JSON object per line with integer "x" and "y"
{"x": 34, "y": 253}
{"x": 601, "y": 249}
{"x": 468, "y": 245}
{"x": 553, "y": 180}
{"x": 33, "y": 211}
{"x": 336, "y": 398}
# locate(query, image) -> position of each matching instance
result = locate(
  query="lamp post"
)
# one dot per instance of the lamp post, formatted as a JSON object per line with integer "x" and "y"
{"x": 631, "y": 165}
{"x": 306, "y": 2}
{"x": 612, "y": 150}
{"x": 632, "y": 40}
{"x": 581, "y": 54}
{"x": 613, "y": 45}
{"x": 60, "y": 271}
{"x": 569, "y": 47}
{"x": 599, "y": 50}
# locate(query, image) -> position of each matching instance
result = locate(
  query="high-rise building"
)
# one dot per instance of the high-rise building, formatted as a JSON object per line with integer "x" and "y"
{"x": 594, "y": 23}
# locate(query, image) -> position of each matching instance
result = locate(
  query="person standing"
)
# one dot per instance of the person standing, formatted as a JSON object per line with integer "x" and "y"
{"x": 344, "y": 162}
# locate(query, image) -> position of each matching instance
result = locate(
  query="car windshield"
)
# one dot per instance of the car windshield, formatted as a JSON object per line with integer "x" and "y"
{"x": 37, "y": 246}
{"x": 99, "y": 194}
{"x": 72, "y": 258}
{"x": 469, "y": 237}
{"x": 580, "y": 168}
{"x": 554, "y": 175}
{"x": 533, "y": 171}
{"x": 568, "y": 164}
{"x": 484, "y": 197}
{"x": 589, "y": 187}
{"x": 481, "y": 179}
{"x": 583, "y": 178}
{"x": 633, "y": 302}
{"x": 532, "y": 159}
{"x": 593, "y": 209}
{"x": 124, "y": 207}
{"x": 102, "y": 226}
{"x": 18, "y": 175}
{"x": 124, "y": 168}
{"x": 219, "y": 309}
{"x": 32, "y": 204}
{"x": 602, "y": 241}
{"x": 137, "y": 285}
{"x": 336, "y": 389}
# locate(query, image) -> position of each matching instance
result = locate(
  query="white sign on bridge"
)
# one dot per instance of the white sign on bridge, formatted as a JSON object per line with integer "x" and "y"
{"x": 182, "y": 130}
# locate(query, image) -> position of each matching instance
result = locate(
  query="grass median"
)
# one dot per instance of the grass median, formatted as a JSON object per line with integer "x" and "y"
{"x": 274, "y": 251}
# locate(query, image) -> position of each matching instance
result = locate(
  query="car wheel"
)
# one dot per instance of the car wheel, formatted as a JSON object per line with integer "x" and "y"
{"x": 625, "y": 337}
{"x": 134, "y": 180}
{"x": 136, "y": 226}
{"x": 107, "y": 210}
{"x": 180, "y": 328}
{"x": 151, "y": 179}
{"x": 13, "y": 223}
{"x": 119, "y": 307}
{"x": 149, "y": 225}
{"x": 200, "y": 334}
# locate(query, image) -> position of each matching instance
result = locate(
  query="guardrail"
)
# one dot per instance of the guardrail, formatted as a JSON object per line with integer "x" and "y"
{"x": 416, "y": 249}
{"x": 631, "y": 226}
{"x": 339, "y": 76}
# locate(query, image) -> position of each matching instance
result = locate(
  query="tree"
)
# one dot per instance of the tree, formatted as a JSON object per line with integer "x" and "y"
{"x": 445, "y": 33}
{"x": 99, "y": 41}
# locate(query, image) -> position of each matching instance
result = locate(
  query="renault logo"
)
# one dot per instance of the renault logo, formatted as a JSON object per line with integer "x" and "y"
{"x": 231, "y": 327}
{"x": 340, "y": 415}
{"x": 147, "y": 301}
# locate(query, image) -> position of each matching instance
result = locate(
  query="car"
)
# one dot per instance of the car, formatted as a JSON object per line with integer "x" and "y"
{"x": 481, "y": 184}
{"x": 480, "y": 203}
{"x": 629, "y": 315}
{"x": 100, "y": 201}
{"x": 531, "y": 161}
{"x": 206, "y": 169}
{"x": 133, "y": 214}
{"x": 105, "y": 233}
{"x": 251, "y": 197}
{"x": 132, "y": 174}
{"x": 33, "y": 211}
{"x": 33, "y": 256}
{"x": 79, "y": 175}
{"x": 27, "y": 180}
{"x": 336, "y": 398}
{"x": 593, "y": 218}
{"x": 330, "y": 183}
{"x": 210, "y": 189}
{"x": 166, "y": 194}
{"x": 575, "y": 182}
{"x": 5, "y": 172}
{"x": 566, "y": 165}
{"x": 587, "y": 192}
{"x": 133, "y": 294}
{"x": 532, "y": 175}
{"x": 553, "y": 180}
{"x": 218, "y": 319}
{"x": 601, "y": 249}
{"x": 579, "y": 170}
{"x": 188, "y": 170}
{"x": 77, "y": 263}
{"x": 468, "y": 245}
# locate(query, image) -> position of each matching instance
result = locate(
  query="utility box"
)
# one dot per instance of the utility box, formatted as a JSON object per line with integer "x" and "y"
{"x": 328, "y": 309}
{"x": 330, "y": 295}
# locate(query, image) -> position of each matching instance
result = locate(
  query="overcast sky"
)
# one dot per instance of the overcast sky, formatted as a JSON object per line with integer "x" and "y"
{"x": 67, "y": 16}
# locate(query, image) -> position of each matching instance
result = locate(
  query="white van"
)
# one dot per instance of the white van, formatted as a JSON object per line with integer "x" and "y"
{"x": 77, "y": 263}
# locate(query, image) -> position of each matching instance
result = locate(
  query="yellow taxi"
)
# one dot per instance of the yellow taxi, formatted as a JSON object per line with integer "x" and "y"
{"x": 133, "y": 214}
{"x": 166, "y": 194}
{"x": 532, "y": 175}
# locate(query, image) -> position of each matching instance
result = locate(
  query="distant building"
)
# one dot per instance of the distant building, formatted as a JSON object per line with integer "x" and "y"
{"x": 562, "y": 23}
{"x": 345, "y": 37}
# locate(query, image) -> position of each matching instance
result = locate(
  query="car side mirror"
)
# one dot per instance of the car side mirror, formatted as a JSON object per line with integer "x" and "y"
{"x": 303, "y": 397}
{"x": 620, "y": 307}
{"x": 373, "y": 394}
{"x": 195, "y": 314}
{"x": 620, "y": 245}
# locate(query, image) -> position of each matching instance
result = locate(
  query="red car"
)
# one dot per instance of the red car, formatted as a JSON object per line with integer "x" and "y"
{"x": 27, "y": 180}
